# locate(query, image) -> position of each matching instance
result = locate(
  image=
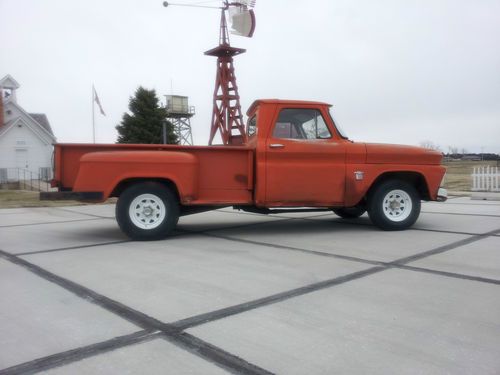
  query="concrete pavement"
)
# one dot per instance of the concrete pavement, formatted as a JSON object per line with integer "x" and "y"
{"x": 234, "y": 292}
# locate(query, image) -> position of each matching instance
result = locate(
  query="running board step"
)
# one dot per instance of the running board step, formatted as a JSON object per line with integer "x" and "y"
{"x": 268, "y": 211}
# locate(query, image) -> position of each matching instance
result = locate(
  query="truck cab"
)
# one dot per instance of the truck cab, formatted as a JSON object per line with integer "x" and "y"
{"x": 301, "y": 156}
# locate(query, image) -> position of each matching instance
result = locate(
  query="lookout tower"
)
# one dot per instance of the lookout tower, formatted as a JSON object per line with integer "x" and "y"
{"x": 179, "y": 113}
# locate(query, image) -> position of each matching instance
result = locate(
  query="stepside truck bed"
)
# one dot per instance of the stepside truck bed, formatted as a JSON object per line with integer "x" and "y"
{"x": 202, "y": 175}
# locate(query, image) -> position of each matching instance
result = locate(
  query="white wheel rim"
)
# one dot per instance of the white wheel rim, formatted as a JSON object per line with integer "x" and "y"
{"x": 147, "y": 211}
{"x": 397, "y": 205}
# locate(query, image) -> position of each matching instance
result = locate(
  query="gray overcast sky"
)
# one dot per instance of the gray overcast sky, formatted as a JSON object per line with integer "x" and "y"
{"x": 396, "y": 71}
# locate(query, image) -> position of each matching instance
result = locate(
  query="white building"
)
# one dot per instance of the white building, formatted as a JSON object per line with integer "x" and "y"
{"x": 26, "y": 139}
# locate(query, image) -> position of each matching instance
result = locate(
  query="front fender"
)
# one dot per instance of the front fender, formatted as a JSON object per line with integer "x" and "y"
{"x": 103, "y": 171}
{"x": 361, "y": 177}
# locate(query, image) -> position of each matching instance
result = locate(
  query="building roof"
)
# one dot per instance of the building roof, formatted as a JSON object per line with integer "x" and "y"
{"x": 42, "y": 119}
{"x": 6, "y": 125}
{"x": 9, "y": 82}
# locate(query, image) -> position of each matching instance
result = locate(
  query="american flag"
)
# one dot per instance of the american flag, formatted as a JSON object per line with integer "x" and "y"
{"x": 96, "y": 99}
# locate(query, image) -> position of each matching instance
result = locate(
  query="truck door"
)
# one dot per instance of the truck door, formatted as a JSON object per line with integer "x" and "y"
{"x": 305, "y": 163}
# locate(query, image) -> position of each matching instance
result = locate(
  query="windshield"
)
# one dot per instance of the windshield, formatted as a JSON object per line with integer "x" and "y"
{"x": 337, "y": 126}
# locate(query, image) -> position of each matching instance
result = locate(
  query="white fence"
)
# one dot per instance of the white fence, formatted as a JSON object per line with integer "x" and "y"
{"x": 486, "y": 178}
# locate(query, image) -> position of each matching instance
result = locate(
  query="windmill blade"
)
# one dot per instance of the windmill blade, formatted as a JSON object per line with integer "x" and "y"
{"x": 242, "y": 21}
{"x": 166, "y": 4}
{"x": 248, "y": 3}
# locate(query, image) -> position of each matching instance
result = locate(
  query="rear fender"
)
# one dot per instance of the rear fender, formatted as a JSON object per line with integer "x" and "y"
{"x": 104, "y": 171}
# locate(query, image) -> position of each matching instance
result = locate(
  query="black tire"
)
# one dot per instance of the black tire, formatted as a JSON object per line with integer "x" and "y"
{"x": 349, "y": 212}
{"x": 394, "y": 205}
{"x": 147, "y": 211}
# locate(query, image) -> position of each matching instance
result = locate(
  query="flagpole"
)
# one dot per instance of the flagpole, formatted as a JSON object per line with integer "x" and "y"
{"x": 93, "y": 113}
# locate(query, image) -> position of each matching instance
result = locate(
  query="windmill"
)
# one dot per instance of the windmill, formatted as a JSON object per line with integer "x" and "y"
{"x": 227, "y": 117}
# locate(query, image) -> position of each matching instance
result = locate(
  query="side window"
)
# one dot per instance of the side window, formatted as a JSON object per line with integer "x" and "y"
{"x": 285, "y": 130}
{"x": 252, "y": 126}
{"x": 301, "y": 124}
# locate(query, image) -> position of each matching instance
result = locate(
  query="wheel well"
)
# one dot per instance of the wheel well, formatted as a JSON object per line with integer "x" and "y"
{"x": 132, "y": 181}
{"x": 413, "y": 178}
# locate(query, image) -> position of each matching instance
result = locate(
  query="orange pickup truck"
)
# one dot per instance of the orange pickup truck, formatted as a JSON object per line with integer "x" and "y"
{"x": 296, "y": 158}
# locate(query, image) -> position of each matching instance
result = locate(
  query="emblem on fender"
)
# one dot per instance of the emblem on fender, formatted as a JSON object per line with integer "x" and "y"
{"x": 359, "y": 175}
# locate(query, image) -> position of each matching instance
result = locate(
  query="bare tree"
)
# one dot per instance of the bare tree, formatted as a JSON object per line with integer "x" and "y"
{"x": 430, "y": 145}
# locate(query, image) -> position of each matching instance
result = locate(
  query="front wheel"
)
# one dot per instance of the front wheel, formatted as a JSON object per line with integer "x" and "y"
{"x": 147, "y": 211}
{"x": 394, "y": 205}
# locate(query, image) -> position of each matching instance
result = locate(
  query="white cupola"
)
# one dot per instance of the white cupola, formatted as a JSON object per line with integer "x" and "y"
{"x": 8, "y": 87}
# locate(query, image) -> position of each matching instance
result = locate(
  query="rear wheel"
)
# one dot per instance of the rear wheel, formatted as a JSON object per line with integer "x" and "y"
{"x": 394, "y": 205}
{"x": 147, "y": 211}
{"x": 349, "y": 212}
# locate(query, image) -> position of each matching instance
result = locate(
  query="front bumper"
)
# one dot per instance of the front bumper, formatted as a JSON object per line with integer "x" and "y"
{"x": 442, "y": 195}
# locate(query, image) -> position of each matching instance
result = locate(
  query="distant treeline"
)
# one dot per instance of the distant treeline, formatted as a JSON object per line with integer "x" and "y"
{"x": 475, "y": 157}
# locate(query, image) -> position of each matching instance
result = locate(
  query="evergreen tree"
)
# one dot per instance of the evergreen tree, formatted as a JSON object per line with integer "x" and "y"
{"x": 145, "y": 123}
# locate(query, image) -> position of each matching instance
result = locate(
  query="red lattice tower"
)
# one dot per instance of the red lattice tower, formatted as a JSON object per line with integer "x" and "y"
{"x": 227, "y": 118}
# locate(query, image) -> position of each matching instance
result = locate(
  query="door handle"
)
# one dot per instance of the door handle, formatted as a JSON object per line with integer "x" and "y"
{"x": 276, "y": 145}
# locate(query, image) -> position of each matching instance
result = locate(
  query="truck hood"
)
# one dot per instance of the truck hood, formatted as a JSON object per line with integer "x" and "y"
{"x": 398, "y": 154}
